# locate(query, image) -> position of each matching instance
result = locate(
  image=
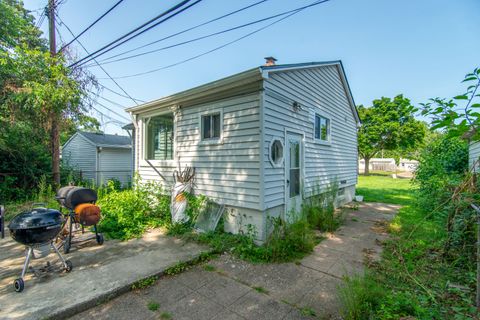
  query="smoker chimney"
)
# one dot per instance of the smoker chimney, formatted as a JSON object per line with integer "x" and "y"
{"x": 270, "y": 61}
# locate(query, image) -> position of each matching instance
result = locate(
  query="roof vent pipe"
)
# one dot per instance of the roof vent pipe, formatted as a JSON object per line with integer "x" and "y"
{"x": 270, "y": 61}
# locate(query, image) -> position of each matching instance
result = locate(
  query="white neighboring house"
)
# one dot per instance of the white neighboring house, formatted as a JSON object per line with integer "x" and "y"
{"x": 408, "y": 165}
{"x": 261, "y": 141}
{"x": 474, "y": 155}
{"x": 99, "y": 157}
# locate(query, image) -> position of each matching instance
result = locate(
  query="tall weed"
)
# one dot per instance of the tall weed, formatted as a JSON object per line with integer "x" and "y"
{"x": 319, "y": 209}
{"x": 360, "y": 297}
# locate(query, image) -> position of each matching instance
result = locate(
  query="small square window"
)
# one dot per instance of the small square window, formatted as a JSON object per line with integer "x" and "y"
{"x": 322, "y": 128}
{"x": 211, "y": 126}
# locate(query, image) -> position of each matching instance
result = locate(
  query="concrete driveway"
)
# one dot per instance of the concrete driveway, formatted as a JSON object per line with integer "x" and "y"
{"x": 228, "y": 288}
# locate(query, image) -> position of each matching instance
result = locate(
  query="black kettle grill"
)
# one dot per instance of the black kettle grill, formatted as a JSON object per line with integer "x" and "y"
{"x": 35, "y": 229}
{"x": 69, "y": 197}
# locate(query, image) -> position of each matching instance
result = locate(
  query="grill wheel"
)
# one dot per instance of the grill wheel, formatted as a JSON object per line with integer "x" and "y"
{"x": 19, "y": 284}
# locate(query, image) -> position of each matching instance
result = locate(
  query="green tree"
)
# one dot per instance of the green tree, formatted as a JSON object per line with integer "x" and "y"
{"x": 33, "y": 85}
{"x": 389, "y": 124}
{"x": 460, "y": 115}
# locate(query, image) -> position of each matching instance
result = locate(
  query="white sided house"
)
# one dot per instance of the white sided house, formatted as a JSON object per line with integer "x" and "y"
{"x": 474, "y": 155}
{"x": 261, "y": 141}
{"x": 99, "y": 157}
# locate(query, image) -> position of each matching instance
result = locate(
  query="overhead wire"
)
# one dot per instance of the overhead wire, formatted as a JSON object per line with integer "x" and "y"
{"x": 102, "y": 68}
{"x": 117, "y": 93}
{"x": 112, "y": 111}
{"x": 199, "y": 38}
{"x": 97, "y": 95}
{"x": 91, "y": 25}
{"x": 115, "y": 43}
{"x": 222, "y": 46}
{"x": 185, "y": 30}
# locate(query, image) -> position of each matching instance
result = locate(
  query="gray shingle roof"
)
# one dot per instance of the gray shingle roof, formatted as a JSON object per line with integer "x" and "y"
{"x": 102, "y": 139}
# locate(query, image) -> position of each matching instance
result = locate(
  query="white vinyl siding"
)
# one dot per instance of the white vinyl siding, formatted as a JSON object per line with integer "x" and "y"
{"x": 115, "y": 163}
{"x": 318, "y": 91}
{"x": 227, "y": 172}
{"x": 81, "y": 155}
{"x": 473, "y": 154}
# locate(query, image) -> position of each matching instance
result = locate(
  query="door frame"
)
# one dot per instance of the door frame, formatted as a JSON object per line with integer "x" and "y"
{"x": 301, "y": 134}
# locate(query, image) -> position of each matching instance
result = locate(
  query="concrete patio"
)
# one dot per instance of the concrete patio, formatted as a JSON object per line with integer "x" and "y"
{"x": 99, "y": 274}
{"x": 228, "y": 288}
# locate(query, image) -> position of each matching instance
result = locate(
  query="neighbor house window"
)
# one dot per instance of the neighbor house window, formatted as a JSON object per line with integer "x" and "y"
{"x": 211, "y": 126}
{"x": 159, "y": 140}
{"x": 322, "y": 128}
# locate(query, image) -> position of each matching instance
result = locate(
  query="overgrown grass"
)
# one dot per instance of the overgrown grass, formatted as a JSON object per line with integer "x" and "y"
{"x": 412, "y": 279}
{"x": 378, "y": 188}
{"x": 288, "y": 242}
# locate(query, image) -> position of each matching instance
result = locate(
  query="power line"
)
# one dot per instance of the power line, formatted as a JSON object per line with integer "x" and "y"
{"x": 107, "y": 116}
{"x": 91, "y": 25}
{"x": 117, "y": 93}
{"x": 141, "y": 32}
{"x": 222, "y": 46}
{"x": 185, "y": 30}
{"x": 103, "y": 69}
{"x": 202, "y": 37}
{"x": 112, "y": 111}
{"x": 96, "y": 95}
{"x": 107, "y": 48}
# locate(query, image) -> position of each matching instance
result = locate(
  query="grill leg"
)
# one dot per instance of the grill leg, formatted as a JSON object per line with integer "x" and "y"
{"x": 27, "y": 261}
{"x": 54, "y": 247}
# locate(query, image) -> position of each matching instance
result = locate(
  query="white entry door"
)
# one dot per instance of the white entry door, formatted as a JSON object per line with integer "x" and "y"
{"x": 293, "y": 174}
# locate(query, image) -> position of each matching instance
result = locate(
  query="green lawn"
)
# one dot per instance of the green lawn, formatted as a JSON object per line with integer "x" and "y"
{"x": 383, "y": 188}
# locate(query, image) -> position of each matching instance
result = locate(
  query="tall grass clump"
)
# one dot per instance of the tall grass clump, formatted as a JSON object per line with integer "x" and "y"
{"x": 319, "y": 209}
{"x": 360, "y": 297}
{"x": 290, "y": 240}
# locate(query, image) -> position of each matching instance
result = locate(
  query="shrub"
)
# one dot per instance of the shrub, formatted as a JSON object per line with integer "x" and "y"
{"x": 128, "y": 213}
{"x": 442, "y": 164}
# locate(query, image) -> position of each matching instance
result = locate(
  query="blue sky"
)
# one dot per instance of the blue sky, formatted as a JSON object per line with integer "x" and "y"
{"x": 421, "y": 48}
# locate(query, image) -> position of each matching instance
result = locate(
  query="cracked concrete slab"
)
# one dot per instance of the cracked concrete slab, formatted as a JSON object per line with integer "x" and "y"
{"x": 99, "y": 273}
{"x": 235, "y": 289}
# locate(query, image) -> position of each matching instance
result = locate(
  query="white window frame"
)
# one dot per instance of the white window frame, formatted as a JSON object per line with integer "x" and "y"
{"x": 217, "y": 140}
{"x": 145, "y": 121}
{"x": 329, "y": 132}
{"x": 282, "y": 161}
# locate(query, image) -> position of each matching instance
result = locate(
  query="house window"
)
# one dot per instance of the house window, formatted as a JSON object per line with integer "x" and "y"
{"x": 276, "y": 152}
{"x": 211, "y": 126}
{"x": 322, "y": 128}
{"x": 160, "y": 138}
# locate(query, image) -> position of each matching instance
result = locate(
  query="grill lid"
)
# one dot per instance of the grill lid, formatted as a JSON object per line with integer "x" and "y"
{"x": 36, "y": 218}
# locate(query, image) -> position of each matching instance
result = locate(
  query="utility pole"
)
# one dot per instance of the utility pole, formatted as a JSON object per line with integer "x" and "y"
{"x": 54, "y": 116}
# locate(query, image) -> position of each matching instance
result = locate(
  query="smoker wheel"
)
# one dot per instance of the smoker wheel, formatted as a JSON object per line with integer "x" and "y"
{"x": 19, "y": 285}
{"x": 69, "y": 266}
{"x": 100, "y": 238}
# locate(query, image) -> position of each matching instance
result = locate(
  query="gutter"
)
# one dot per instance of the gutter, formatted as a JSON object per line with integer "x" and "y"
{"x": 236, "y": 80}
